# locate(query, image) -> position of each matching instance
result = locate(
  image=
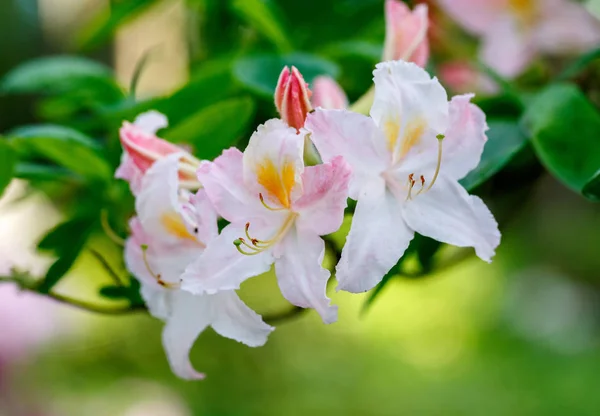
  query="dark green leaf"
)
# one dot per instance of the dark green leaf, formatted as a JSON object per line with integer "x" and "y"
{"x": 64, "y": 146}
{"x": 261, "y": 72}
{"x": 565, "y": 127}
{"x": 505, "y": 140}
{"x": 426, "y": 248}
{"x": 8, "y": 160}
{"x": 579, "y": 65}
{"x": 214, "y": 128}
{"x": 591, "y": 189}
{"x": 115, "y": 292}
{"x": 59, "y": 74}
{"x": 104, "y": 26}
{"x": 66, "y": 241}
{"x": 260, "y": 14}
{"x": 34, "y": 171}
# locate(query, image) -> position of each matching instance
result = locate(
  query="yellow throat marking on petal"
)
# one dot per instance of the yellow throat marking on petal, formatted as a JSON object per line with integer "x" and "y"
{"x": 277, "y": 183}
{"x": 391, "y": 129}
{"x": 175, "y": 226}
{"x": 412, "y": 135}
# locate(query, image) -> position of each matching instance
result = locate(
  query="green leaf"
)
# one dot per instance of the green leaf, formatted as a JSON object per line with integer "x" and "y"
{"x": 115, "y": 292}
{"x": 505, "y": 140}
{"x": 565, "y": 127}
{"x": 8, "y": 160}
{"x": 64, "y": 146}
{"x": 260, "y": 14}
{"x": 214, "y": 128}
{"x": 58, "y": 74}
{"x": 66, "y": 241}
{"x": 103, "y": 27}
{"x": 579, "y": 65}
{"x": 260, "y": 73}
{"x": 34, "y": 171}
{"x": 591, "y": 189}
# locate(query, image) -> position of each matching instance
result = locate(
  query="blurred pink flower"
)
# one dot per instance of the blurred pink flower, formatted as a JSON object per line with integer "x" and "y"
{"x": 406, "y": 33}
{"x": 26, "y": 321}
{"x": 462, "y": 77}
{"x": 328, "y": 94}
{"x": 515, "y": 31}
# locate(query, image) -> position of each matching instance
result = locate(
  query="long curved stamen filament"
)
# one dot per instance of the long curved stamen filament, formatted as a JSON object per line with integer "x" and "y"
{"x": 440, "y": 138}
{"x": 262, "y": 201}
{"x": 156, "y": 276}
{"x": 258, "y": 246}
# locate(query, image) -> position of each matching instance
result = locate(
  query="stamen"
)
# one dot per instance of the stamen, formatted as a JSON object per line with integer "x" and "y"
{"x": 262, "y": 201}
{"x": 412, "y": 184}
{"x": 156, "y": 276}
{"x": 440, "y": 138}
{"x": 258, "y": 246}
{"x": 110, "y": 233}
{"x": 422, "y": 185}
{"x": 237, "y": 243}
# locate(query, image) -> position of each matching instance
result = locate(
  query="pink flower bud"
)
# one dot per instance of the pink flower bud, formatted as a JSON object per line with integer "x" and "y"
{"x": 328, "y": 94}
{"x": 142, "y": 148}
{"x": 406, "y": 33}
{"x": 292, "y": 97}
{"x": 462, "y": 77}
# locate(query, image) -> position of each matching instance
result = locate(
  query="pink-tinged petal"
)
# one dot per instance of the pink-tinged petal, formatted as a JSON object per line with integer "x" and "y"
{"x": 223, "y": 182}
{"x": 158, "y": 206}
{"x": 222, "y": 267}
{"x": 477, "y": 16}
{"x": 410, "y": 107}
{"x": 301, "y": 276}
{"x": 354, "y": 137}
{"x": 465, "y": 138}
{"x": 328, "y": 94}
{"x": 447, "y": 213}
{"x": 292, "y": 97}
{"x": 204, "y": 216}
{"x": 463, "y": 77}
{"x": 273, "y": 163}
{"x": 508, "y": 48}
{"x": 151, "y": 121}
{"x": 128, "y": 171}
{"x": 566, "y": 27}
{"x": 378, "y": 238}
{"x": 322, "y": 205}
{"x": 234, "y": 320}
{"x": 406, "y": 33}
{"x": 190, "y": 315}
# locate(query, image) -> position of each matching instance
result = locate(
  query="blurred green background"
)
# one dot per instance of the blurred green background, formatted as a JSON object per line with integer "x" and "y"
{"x": 520, "y": 336}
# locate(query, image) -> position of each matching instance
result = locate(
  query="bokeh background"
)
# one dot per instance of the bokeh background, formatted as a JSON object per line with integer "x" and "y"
{"x": 520, "y": 336}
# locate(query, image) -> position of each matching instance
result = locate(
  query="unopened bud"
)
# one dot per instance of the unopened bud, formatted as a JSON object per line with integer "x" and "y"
{"x": 292, "y": 97}
{"x": 328, "y": 94}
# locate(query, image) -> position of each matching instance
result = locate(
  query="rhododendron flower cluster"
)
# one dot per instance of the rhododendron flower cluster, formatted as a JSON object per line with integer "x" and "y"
{"x": 401, "y": 164}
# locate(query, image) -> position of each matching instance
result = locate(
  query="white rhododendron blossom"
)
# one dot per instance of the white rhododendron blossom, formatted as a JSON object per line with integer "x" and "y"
{"x": 278, "y": 209}
{"x": 407, "y": 159}
{"x": 172, "y": 228}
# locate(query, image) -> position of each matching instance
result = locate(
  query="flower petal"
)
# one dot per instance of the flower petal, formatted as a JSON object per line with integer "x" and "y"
{"x": 322, "y": 205}
{"x": 447, "y": 213}
{"x": 406, "y": 33}
{"x": 507, "y": 48}
{"x": 151, "y": 121}
{"x": 224, "y": 185}
{"x": 273, "y": 163}
{"x": 301, "y": 276}
{"x": 222, "y": 267}
{"x": 128, "y": 171}
{"x": 190, "y": 316}
{"x": 378, "y": 238}
{"x": 566, "y": 27}
{"x": 476, "y": 16}
{"x": 465, "y": 138}
{"x": 203, "y": 215}
{"x": 328, "y": 94}
{"x": 353, "y": 136}
{"x": 158, "y": 206}
{"x": 234, "y": 320}
{"x": 410, "y": 107}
